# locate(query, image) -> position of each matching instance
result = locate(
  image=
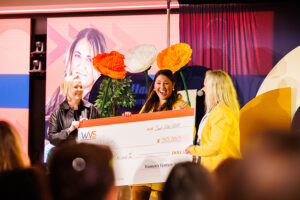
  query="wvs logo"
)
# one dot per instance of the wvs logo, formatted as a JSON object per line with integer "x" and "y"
{"x": 89, "y": 135}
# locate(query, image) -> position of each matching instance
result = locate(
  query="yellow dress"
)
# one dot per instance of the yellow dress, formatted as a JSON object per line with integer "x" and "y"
{"x": 220, "y": 138}
{"x": 157, "y": 187}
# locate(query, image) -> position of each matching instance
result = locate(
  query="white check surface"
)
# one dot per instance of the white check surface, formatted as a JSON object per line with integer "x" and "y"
{"x": 144, "y": 151}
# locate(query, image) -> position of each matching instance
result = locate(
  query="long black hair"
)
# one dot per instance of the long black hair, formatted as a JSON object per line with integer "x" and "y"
{"x": 153, "y": 100}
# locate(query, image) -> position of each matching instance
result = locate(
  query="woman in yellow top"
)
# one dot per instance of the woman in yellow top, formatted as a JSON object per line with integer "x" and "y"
{"x": 219, "y": 132}
{"x": 162, "y": 96}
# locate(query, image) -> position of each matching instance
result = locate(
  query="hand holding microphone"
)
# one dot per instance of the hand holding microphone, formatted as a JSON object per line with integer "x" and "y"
{"x": 200, "y": 92}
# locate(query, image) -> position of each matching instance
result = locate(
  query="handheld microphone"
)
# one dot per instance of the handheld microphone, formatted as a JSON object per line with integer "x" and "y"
{"x": 200, "y": 93}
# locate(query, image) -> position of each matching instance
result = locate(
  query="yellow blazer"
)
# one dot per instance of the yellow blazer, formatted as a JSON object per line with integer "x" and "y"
{"x": 220, "y": 138}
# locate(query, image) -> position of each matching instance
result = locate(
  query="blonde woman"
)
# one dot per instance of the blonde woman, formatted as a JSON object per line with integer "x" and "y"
{"x": 64, "y": 120}
{"x": 11, "y": 155}
{"x": 219, "y": 134}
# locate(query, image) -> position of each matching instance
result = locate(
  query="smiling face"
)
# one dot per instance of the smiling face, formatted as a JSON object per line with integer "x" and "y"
{"x": 75, "y": 91}
{"x": 163, "y": 87}
{"x": 82, "y": 64}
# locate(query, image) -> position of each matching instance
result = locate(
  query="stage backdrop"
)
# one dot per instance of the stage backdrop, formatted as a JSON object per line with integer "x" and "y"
{"x": 14, "y": 76}
{"x": 121, "y": 33}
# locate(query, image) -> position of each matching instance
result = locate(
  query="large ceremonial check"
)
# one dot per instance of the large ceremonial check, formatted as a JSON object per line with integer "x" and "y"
{"x": 145, "y": 146}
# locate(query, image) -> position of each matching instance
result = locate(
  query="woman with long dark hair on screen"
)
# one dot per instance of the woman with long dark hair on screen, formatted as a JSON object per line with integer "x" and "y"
{"x": 219, "y": 133}
{"x": 162, "y": 96}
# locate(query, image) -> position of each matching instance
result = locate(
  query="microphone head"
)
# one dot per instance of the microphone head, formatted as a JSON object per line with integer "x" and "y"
{"x": 200, "y": 93}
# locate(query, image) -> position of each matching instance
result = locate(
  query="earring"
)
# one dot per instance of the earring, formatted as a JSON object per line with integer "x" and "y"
{"x": 173, "y": 89}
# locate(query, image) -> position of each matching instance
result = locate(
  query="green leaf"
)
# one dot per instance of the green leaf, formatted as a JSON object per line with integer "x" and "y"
{"x": 119, "y": 92}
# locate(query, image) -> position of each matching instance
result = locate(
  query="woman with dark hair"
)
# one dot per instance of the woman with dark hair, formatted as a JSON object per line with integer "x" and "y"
{"x": 188, "y": 181}
{"x": 162, "y": 96}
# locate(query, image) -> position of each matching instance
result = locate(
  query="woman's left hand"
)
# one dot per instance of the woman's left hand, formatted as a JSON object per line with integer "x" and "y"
{"x": 181, "y": 106}
{"x": 127, "y": 114}
{"x": 82, "y": 119}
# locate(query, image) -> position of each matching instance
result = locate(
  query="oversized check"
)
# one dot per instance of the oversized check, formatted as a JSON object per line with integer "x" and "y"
{"x": 145, "y": 146}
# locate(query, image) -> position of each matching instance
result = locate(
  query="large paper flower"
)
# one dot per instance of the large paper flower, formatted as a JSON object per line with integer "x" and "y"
{"x": 174, "y": 57}
{"x": 110, "y": 64}
{"x": 140, "y": 58}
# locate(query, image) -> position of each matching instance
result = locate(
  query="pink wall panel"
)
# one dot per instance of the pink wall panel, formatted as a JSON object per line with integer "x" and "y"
{"x": 14, "y": 46}
{"x": 15, "y": 58}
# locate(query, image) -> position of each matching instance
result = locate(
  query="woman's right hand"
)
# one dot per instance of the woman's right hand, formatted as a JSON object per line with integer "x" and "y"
{"x": 74, "y": 125}
{"x": 127, "y": 114}
{"x": 183, "y": 105}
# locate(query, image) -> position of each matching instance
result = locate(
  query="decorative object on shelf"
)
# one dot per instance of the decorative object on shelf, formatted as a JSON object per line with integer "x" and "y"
{"x": 38, "y": 58}
{"x": 39, "y": 46}
{"x": 139, "y": 59}
{"x": 116, "y": 87}
{"x": 37, "y": 65}
{"x": 175, "y": 58}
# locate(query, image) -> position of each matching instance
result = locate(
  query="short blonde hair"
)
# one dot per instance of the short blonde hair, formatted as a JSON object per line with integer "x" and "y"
{"x": 67, "y": 84}
{"x": 219, "y": 88}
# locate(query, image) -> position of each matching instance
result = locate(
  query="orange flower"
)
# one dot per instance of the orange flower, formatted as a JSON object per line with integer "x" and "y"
{"x": 110, "y": 64}
{"x": 174, "y": 57}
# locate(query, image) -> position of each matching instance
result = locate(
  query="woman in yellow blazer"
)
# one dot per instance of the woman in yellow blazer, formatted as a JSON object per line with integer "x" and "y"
{"x": 219, "y": 132}
{"x": 162, "y": 96}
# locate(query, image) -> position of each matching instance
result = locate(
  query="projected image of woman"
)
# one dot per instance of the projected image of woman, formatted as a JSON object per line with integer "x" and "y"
{"x": 78, "y": 61}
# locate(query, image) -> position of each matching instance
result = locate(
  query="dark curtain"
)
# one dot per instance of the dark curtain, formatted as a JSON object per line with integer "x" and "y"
{"x": 232, "y": 37}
